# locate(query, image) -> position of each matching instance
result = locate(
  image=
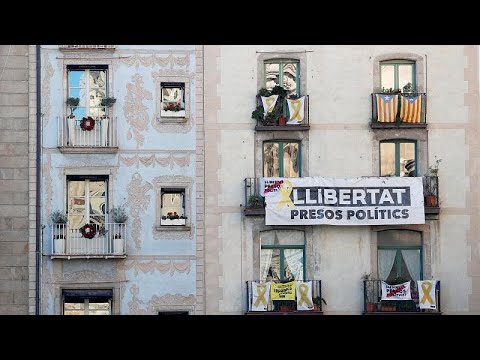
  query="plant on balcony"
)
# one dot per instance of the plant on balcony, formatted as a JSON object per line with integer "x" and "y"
{"x": 58, "y": 217}
{"x": 408, "y": 89}
{"x": 72, "y": 103}
{"x": 390, "y": 91}
{"x": 108, "y": 101}
{"x": 431, "y": 188}
{"x": 255, "y": 201}
{"x": 119, "y": 214}
{"x": 173, "y": 106}
{"x": 317, "y": 302}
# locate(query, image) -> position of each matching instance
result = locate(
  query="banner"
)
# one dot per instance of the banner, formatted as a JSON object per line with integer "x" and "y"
{"x": 426, "y": 294}
{"x": 269, "y": 103}
{"x": 338, "y": 201}
{"x": 396, "y": 292}
{"x": 296, "y": 108}
{"x": 304, "y": 295}
{"x": 261, "y": 296}
{"x": 283, "y": 291}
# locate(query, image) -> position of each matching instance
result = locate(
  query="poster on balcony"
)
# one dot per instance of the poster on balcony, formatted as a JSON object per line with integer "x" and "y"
{"x": 283, "y": 291}
{"x": 396, "y": 292}
{"x": 261, "y": 296}
{"x": 296, "y": 109}
{"x": 304, "y": 295}
{"x": 426, "y": 294}
{"x": 343, "y": 201}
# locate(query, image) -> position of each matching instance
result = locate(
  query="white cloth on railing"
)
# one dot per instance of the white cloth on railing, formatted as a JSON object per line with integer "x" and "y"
{"x": 426, "y": 294}
{"x": 260, "y": 296}
{"x": 396, "y": 292}
{"x": 269, "y": 103}
{"x": 304, "y": 295}
{"x": 296, "y": 108}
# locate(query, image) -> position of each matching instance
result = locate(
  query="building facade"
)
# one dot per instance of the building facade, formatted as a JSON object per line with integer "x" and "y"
{"x": 17, "y": 179}
{"x": 122, "y": 179}
{"x": 364, "y": 111}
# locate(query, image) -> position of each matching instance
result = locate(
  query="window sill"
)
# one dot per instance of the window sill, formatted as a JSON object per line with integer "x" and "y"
{"x": 173, "y": 228}
{"x": 397, "y": 125}
{"x": 172, "y": 120}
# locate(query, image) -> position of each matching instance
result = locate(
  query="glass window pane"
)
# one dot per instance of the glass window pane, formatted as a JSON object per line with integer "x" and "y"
{"x": 96, "y": 96}
{"x": 74, "y": 309}
{"x": 293, "y": 264}
{"x": 405, "y": 75}
{"x": 97, "y": 78}
{"x": 74, "y": 92}
{"x": 289, "y": 237}
{"x": 97, "y": 188}
{"x": 172, "y": 203}
{"x": 387, "y": 76}
{"x": 272, "y": 76}
{"x": 290, "y": 78}
{"x": 76, "y": 221}
{"x": 271, "y": 165}
{"x": 76, "y": 78}
{"x": 386, "y": 260}
{"x": 99, "y": 308}
{"x": 407, "y": 159}
{"x": 399, "y": 238}
{"x": 76, "y": 188}
{"x": 387, "y": 159}
{"x": 411, "y": 264}
{"x": 270, "y": 264}
{"x": 290, "y": 160}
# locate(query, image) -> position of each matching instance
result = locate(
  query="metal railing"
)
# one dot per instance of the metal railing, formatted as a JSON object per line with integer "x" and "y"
{"x": 87, "y": 47}
{"x": 103, "y": 134}
{"x": 275, "y": 306}
{"x": 285, "y": 111}
{"x": 109, "y": 239}
{"x": 411, "y": 116}
{"x": 372, "y": 295}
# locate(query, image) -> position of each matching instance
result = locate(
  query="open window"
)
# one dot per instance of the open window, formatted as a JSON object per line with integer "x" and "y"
{"x": 87, "y": 302}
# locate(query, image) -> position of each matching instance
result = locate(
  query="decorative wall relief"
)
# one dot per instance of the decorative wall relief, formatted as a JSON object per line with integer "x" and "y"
{"x": 164, "y": 266}
{"x": 138, "y": 202}
{"x": 46, "y": 89}
{"x": 164, "y": 161}
{"x": 136, "y": 113}
{"x": 156, "y": 302}
{"x": 155, "y": 58}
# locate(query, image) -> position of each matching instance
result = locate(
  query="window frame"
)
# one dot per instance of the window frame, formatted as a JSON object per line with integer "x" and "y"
{"x": 173, "y": 85}
{"x": 86, "y": 300}
{"x": 397, "y": 143}
{"x": 173, "y": 190}
{"x": 282, "y": 249}
{"x": 281, "y": 158}
{"x": 398, "y": 256}
{"x": 395, "y": 63}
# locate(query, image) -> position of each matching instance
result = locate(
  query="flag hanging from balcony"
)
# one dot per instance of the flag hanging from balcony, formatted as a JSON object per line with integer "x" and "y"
{"x": 396, "y": 292}
{"x": 261, "y": 296}
{"x": 387, "y": 107}
{"x": 269, "y": 103}
{"x": 296, "y": 108}
{"x": 426, "y": 294}
{"x": 410, "y": 108}
{"x": 304, "y": 295}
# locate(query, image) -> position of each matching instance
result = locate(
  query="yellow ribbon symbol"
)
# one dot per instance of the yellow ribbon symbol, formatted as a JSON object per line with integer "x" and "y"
{"x": 303, "y": 289}
{"x": 426, "y": 287}
{"x": 261, "y": 290}
{"x": 270, "y": 100}
{"x": 285, "y": 192}
{"x": 296, "y": 105}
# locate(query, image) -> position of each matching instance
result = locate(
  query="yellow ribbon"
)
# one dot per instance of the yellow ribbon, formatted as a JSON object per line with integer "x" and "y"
{"x": 426, "y": 287}
{"x": 303, "y": 289}
{"x": 296, "y": 105}
{"x": 261, "y": 290}
{"x": 269, "y": 100}
{"x": 285, "y": 192}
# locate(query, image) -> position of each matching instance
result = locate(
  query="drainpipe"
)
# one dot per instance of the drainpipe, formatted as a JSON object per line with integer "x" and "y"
{"x": 38, "y": 183}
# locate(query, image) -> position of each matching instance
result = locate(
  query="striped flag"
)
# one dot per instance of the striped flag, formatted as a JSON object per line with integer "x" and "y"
{"x": 411, "y": 108}
{"x": 387, "y": 106}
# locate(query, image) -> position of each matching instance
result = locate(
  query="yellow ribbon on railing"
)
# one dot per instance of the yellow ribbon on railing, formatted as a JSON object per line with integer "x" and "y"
{"x": 261, "y": 290}
{"x": 296, "y": 105}
{"x": 426, "y": 287}
{"x": 303, "y": 290}
{"x": 285, "y": 192}
{"x": 269, "y": 100}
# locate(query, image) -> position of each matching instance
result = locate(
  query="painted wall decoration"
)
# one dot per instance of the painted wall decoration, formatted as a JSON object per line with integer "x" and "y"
{"x": 136, "y": 112}
{"x": 138, "y": 202}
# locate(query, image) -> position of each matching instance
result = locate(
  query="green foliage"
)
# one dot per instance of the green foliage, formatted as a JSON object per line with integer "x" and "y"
{"x": 408, "y": 88}
{"x": 280, "y": 91}
{"x": 293, "y": 97}
{"x": 264, "y": 92}
{"x": 255, "y": 201}
{"x": 73, "y": 101}
{"x": 119, "y": 214}
{"x": 58, "y": 217}
{"x": 434, "y": 168}
{"x": 258, "y": 114}
{"x": 108, "y": 101}
{"x": 318, "y": 300}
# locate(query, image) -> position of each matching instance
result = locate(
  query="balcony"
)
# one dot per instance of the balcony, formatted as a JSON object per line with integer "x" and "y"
{"x": 373, "y": 305}
{"x": 73, "y": 138}
{"x": 270, "y": 123}
{"x": 409, "y": 111}
{"x": 108, "y": 241}
{"x": 87, "y": 47}
{"x": 255, "y": 203}
{"x": 287, "y": 307}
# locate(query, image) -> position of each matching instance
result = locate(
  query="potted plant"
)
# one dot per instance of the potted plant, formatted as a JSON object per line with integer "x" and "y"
{"x": 119, "y": 216}
{"x": 317, "y": 303}
{"x": 59, "y": 221}
{"x": 255, "y": 201}
{"x": 431, "y": 199}
{"x": 108, "y": 101}
{"x": 172, "y": 218}
{"x": 369, "y": 293}
{"x": 104, "y": 120}
{"x": 72, "y": 103}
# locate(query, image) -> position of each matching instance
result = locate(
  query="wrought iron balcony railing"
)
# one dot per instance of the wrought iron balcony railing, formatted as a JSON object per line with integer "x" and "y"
{"x": 399, "y": 110}
{"x": 88, "y": 47}
{"x": 373, "y": 303}
{"x": 108, "y": 241}
{"x": 288, "y": 306}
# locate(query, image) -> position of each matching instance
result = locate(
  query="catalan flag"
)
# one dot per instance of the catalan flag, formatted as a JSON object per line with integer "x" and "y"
{"x": 387, "y": 107}
{"x": 411, "y": 108}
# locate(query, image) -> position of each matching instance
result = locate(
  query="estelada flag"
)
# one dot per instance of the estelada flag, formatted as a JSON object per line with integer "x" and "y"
{"x": 411, "y": 108}
{"x": 387, "y": 107}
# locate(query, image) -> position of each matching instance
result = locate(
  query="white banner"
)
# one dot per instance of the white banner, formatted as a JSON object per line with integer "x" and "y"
{"x": 338, "y": 201}
{"x": 269, "y": 103}
{"x": 304, "y": 295}
{"x": 396, "y": 292}
{"x": 261, "y": 296}
{"x": 426, "y": 294}
{"x": 296, "y": 108}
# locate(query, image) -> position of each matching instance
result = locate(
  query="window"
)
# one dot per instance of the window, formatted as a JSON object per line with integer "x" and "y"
{"x": 398, "y": 158}
{"x": 172, "y": 99}
{"x": 283, "y": 72}
{"x": 87, "y": 200}
{"x": 282, "y": 255}
{"x": 173, "y": 207}
{"x": 89, "y": 84}
{"x": 281, "y": 159}
{"x": 399, "y": 255}
{"x": 395, "y": 74}
{"x": 87, "y": 302}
